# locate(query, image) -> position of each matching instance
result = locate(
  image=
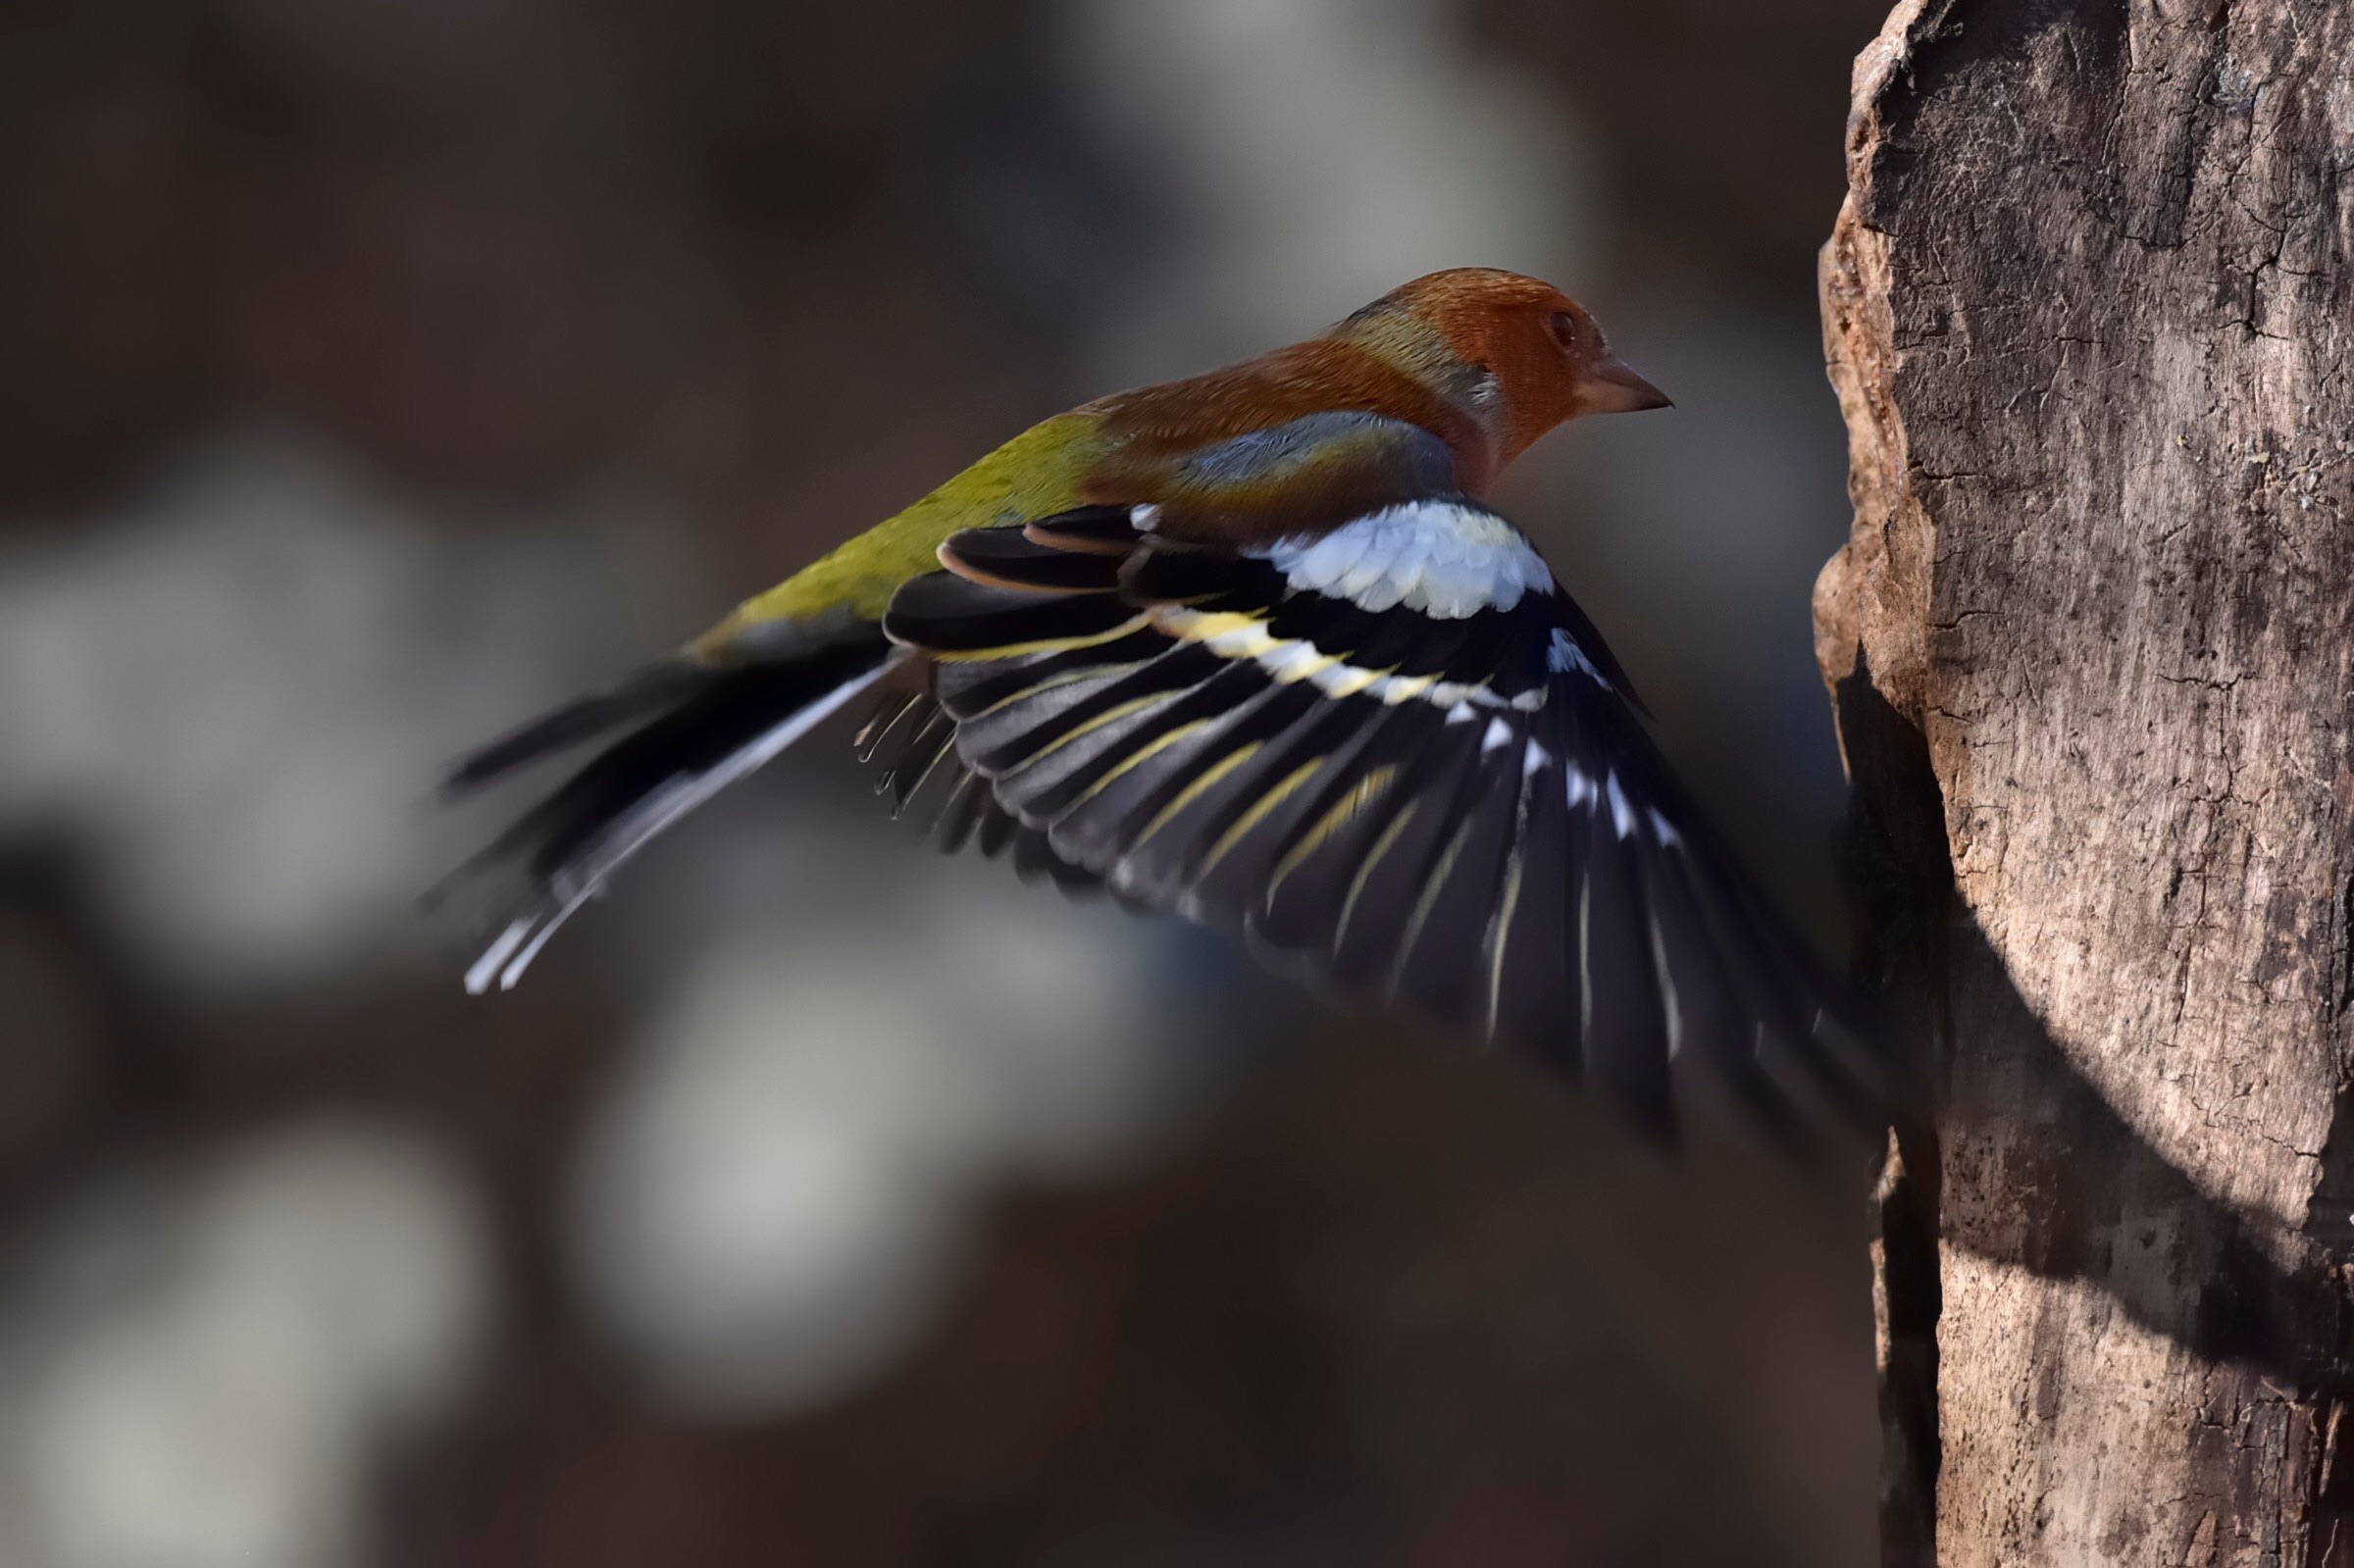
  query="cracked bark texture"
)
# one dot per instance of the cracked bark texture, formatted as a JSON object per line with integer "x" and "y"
{"x": 2087, "y": 309}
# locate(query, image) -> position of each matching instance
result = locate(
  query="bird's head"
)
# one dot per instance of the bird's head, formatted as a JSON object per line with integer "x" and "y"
{"x": 1516, "y": 354}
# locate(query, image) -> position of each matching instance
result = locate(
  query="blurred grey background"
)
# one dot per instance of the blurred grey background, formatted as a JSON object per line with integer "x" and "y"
{"x": 376, "y": 372}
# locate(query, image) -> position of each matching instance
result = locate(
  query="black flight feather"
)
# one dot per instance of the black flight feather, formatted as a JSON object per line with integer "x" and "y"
{"x": 1460, "y": 809}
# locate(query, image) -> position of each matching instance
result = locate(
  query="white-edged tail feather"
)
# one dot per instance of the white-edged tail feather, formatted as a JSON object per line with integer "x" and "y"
{"x": 729, "y": 724}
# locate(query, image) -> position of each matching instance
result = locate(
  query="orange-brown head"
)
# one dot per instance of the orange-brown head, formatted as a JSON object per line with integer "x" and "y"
{"x": 1515, "y": 354}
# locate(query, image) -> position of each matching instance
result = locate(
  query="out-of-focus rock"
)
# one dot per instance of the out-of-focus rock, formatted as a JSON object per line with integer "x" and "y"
{"x": 777, "y": 1194}
{"x": 1310, "y": 155}
{"x": 236, "y": 698}
{"x": 205, "y": 1370}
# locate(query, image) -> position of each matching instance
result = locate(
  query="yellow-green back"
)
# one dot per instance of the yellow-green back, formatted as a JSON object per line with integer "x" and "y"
{"x": 1035, "y": 475}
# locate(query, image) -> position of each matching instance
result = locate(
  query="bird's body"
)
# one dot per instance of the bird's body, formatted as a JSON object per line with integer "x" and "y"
{"x": 1249, "y": 645}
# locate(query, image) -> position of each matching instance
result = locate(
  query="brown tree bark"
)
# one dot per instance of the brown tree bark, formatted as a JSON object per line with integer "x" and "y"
{"x": 2090, "y": 313}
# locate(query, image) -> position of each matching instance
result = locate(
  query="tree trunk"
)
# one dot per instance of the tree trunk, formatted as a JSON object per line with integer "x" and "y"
{"x": 2090, "y": 314}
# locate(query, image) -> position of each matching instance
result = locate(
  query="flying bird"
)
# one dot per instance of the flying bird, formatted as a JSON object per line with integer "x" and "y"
{"x": 1251, "y": 647}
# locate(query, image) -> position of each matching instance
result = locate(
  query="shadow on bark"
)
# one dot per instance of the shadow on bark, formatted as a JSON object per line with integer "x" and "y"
{"x": 2108, "y": 1208}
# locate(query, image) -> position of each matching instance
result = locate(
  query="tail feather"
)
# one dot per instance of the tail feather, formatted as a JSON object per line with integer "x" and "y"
{"x": 691, "y": 731}
{"x": 648, "y": 691}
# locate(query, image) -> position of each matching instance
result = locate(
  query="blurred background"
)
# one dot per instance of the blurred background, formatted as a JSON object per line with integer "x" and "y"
{"x": 374, "y": 373}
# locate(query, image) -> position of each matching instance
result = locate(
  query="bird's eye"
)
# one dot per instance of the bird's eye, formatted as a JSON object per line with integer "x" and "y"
{"x": 1564, "y": 329}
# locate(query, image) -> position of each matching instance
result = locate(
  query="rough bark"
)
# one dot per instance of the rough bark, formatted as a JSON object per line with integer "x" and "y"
{"x": 2087, "y": 309}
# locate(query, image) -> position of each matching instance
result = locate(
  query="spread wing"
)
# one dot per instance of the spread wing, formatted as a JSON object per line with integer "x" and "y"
{"x": 908, "y": 740}
{"x": 1399, "y": 753}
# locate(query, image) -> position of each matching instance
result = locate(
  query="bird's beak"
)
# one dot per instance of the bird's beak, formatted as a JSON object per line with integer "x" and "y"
{"x": 1611, "y": 386}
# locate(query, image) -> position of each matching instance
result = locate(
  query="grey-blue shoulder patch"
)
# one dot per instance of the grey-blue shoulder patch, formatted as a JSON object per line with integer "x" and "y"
{"x": 1420, "y": 462}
